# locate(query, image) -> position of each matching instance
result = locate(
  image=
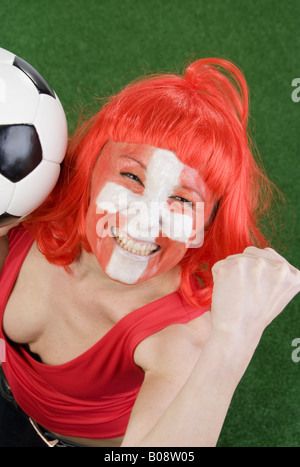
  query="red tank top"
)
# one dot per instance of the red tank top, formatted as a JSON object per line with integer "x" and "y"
{"x": 92, "y": 395}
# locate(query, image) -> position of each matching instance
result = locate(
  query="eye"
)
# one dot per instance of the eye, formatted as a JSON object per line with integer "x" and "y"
{"x": 132, "y": 176}
{"x": 182, "y": 200}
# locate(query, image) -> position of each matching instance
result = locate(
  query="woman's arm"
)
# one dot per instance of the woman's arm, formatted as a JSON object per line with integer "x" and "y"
{"x": 250, "y": 290}
{"x": 184, "y": 403}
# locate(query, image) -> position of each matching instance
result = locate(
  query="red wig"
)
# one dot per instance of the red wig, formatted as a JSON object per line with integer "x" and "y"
{"x": 202, "y": 117}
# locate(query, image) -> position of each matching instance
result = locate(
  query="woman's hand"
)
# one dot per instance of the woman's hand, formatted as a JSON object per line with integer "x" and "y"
{"x": 250, "y": 290}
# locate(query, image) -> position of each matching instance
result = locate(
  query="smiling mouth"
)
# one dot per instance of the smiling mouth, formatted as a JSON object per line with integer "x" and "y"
{"x": 130, "y": 244}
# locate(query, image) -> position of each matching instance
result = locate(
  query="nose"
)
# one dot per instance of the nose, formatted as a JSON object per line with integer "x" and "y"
{"x": 144, "y": 220}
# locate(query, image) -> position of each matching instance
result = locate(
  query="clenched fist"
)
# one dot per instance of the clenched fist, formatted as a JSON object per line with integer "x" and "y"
{"x": 250, "y": 290}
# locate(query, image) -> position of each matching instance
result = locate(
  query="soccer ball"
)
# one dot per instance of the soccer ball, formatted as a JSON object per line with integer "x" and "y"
{"x": 33, "y": 138}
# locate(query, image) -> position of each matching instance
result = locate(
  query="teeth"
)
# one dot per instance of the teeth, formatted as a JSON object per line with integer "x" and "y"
{"x": 143, "y": 249}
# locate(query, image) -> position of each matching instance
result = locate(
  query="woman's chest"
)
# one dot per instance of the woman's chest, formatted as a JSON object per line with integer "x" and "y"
{"x": 57, "y": 319}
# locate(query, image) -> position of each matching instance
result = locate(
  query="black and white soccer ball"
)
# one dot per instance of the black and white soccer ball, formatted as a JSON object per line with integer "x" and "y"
{"x": 33, "y": 138}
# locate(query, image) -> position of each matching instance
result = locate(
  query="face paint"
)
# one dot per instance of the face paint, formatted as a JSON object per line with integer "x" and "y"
{"x": 142, "y": 217}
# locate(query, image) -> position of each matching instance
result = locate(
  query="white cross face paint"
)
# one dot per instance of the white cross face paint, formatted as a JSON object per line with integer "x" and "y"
{"x": 149, "y": 213}
{"x": 141, "y": 217}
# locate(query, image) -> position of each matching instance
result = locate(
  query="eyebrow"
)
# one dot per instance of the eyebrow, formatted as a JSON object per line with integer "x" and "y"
{"x": 135, "y": 160}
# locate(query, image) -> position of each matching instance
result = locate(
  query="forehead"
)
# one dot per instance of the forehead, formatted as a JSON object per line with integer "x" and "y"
{"x": 142, "y": 153}
{"x": 148, "y": 157}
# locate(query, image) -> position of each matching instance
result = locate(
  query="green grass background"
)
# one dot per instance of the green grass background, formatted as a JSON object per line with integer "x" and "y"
{"x": 91, "y": 48}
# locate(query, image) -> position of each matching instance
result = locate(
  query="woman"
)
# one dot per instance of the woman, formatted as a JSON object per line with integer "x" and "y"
{"x": 135, "y": 296}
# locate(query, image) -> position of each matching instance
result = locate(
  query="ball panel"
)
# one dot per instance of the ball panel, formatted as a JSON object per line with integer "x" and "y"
{"x": 7, "y": 189}
{"x": 34, "y": 189}
{"x": 20, "y": 151}
{"x": 19, "y": 99}
{"x": 52, "y": 128}
{"x": 6, "y": 57}
{"x": 40, "y": 83}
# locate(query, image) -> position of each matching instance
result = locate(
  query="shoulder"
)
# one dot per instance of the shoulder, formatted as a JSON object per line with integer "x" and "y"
{"x": 15, "y": 241}
{"x": 4, "y": 249}
{"x": 174, "y": 347}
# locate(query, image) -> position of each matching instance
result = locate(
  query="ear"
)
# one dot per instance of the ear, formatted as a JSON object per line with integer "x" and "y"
{"x": 213, "y": 213}
{"x": 199, "y": 233}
